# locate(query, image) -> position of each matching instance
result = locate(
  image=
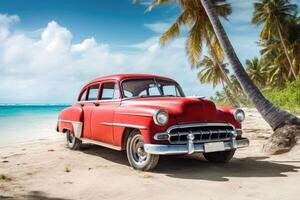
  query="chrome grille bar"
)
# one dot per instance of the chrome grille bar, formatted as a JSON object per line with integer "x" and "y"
{"x": 204, "y": 132}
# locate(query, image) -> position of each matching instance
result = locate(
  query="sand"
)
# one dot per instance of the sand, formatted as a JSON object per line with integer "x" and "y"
{"x": 45, "y": 169}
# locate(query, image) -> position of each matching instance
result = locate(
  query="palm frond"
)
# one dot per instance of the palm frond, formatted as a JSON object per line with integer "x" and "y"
{"x": 194, "y": 43}
{"x": 171, "y": 33}
{"x": 156, "y": 3}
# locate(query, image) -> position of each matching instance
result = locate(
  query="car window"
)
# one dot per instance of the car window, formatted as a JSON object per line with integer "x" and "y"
{"x": 151, "y": 87}
{"x": 170, "y": 90}
{"x": 116, "y": 92}
{"x": 83, "y": 96}
{"x": 110, "y": 91}
{"x": 143, "y": 93}
{"x": 154, "y": 91}
{"x": 93, "y": 93}
{"x": 127, "y": 94}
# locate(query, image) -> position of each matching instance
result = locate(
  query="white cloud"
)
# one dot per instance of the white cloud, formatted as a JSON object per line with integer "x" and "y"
{"x": 242, "y": 11}
{"x": 48, "y": 68}
{"x": 87, "y": 44}
{"x": 5, "y": 22}
{"x": 158, "y": 27}
{"x": 56, "y": 38}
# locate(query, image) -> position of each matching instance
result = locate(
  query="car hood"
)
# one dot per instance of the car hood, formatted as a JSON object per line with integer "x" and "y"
{"x": 184, "y": 109}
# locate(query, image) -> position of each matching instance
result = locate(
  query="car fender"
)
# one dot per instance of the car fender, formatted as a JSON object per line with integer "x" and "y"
{"x": 138, "y": 117}
{"x": 71, "y": 119}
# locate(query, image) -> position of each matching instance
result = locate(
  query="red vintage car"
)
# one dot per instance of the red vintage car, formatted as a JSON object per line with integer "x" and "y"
{"x": 148, "y": 116}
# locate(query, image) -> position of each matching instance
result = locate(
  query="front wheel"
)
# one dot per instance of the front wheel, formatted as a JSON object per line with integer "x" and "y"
{"x": 219, "y": 157}
{"x": 72, "y": 142}
{"x": 136, "y": 154}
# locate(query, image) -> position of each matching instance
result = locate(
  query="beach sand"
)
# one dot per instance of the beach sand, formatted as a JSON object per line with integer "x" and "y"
{"x": 46, "y": 170}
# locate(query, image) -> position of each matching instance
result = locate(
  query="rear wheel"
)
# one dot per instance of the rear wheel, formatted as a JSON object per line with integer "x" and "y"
{"x": 72, "y": 142}
{"x": 219, "y": 157}
{"x": 136, "y": 154}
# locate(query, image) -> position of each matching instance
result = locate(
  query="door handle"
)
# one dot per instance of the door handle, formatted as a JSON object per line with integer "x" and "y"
{"x": 96, "y": 104}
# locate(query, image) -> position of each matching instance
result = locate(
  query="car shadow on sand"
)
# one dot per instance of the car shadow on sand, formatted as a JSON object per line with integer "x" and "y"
{"x": 196, "y": 167}
{"x": 118, "y": 157}
{"x": 32, "y": 195}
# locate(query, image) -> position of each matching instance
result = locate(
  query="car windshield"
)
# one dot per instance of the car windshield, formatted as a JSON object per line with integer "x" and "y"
{"x": 151, "y": 88}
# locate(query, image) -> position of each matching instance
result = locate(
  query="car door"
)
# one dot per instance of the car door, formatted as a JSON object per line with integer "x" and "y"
{"x": 88, "y": 101}
{"x": 103, "y": 113}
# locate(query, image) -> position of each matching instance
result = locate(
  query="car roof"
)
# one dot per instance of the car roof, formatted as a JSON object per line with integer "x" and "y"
{"x": 121, "y": 77}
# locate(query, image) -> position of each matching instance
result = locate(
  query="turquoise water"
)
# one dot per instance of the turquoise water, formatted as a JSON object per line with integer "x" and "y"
{"x": 26, "y": 122}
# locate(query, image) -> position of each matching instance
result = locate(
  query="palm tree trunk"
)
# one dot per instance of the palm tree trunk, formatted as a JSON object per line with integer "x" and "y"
{"x": 228, "y": 82}
{"x": 286, "y": 51}
{"x": 274, "y": 116}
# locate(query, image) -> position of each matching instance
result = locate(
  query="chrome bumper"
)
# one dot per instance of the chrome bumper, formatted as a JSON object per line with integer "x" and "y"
{"x": 190, "y": 148}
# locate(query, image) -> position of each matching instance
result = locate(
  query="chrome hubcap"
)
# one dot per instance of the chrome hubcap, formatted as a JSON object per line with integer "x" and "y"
{"x": 138, "y": 152}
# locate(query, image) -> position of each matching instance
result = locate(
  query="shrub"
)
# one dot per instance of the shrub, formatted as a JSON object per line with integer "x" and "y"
{"x": 288, "y": 97}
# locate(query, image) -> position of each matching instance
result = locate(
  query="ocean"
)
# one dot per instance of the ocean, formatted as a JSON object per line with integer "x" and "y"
{"x": 28, "y": 122}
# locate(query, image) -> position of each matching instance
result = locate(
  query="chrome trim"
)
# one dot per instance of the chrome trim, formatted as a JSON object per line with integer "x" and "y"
{"x": 233, "y": 132}
{"x": 191, "y": 147}
{"x": 100, "y": 101}
{"x": 77, "y": 127}
{"x": 158, "y": 149}
{"x": 102, "y": 144}
{"x": 197, "y": 125}
{"x": 233, "y": 139}
{"x": 158, "y": 134}
{"x": 136, "y": 114}
{"x": 196, "y": 97}
{"x": 124, "y": 125}
{"x": 242, "y": 143}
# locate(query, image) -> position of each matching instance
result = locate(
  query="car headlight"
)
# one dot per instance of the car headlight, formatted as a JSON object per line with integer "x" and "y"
{"x": 160, "y": 117}
{"x": 239, "y": 115}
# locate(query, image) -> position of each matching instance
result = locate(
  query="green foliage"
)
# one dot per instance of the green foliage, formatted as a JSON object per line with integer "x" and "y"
{"x": 276, "y": 69}
{"x": 256, "y": 71}
{"x": 272, "y": 14}
{"x": 288, "y": 97}
{"x": 279, "y": 39}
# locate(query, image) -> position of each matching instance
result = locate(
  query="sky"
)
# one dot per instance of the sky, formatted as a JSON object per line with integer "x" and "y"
{"x": 49, "y": 49}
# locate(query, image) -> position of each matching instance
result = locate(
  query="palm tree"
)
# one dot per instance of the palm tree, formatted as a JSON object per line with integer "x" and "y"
{"x": 293, "y": 31}
{"x": 283, "y": 123}
{"x": 274, "y": 57}
{"x": 222, "y": 97}
{"x": 275, "y": 62}
{"x": 210, "y": 72}
{"x": 274, "y": 14}
{"x": 193, "y": 16}
{"x": 257, "y": 72}
{"x": 277, "y": 68}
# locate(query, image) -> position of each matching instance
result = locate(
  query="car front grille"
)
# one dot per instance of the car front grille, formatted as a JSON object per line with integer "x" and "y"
{"x": 202, "y": 133}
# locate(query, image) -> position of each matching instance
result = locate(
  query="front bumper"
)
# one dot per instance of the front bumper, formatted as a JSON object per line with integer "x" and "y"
{"x": 190, "y": 148}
